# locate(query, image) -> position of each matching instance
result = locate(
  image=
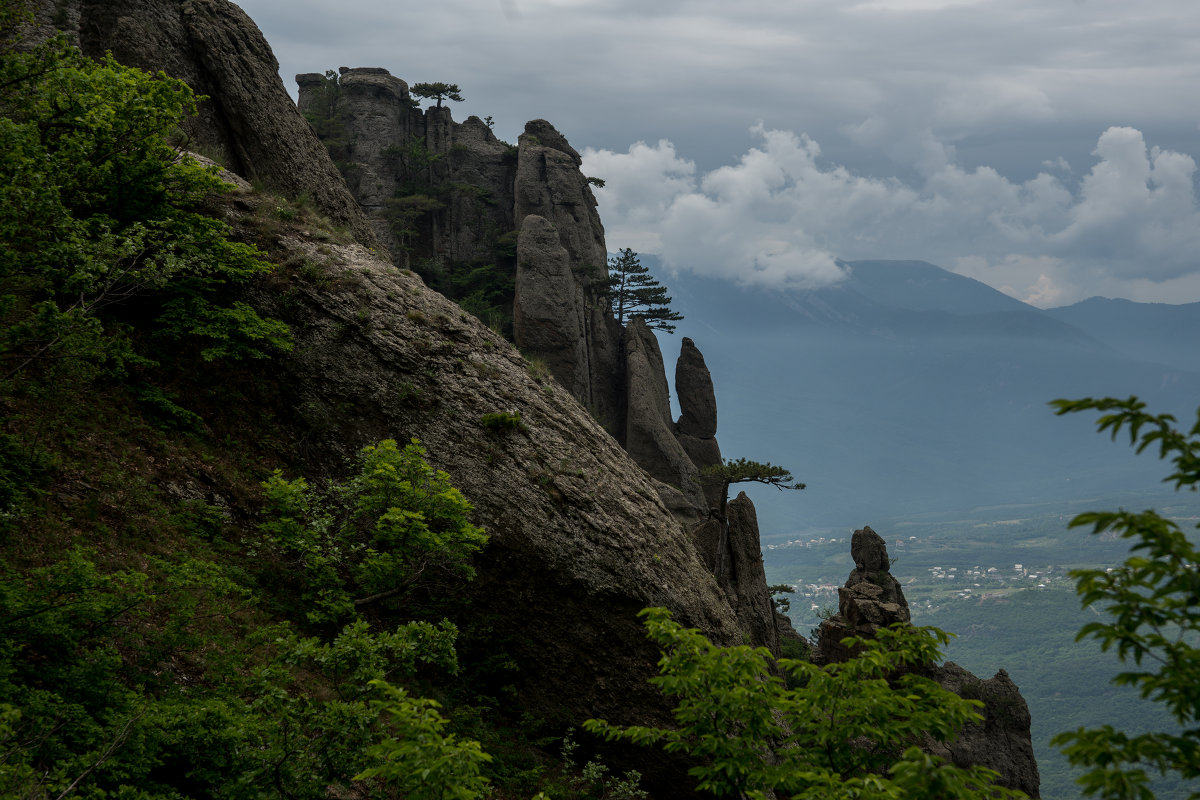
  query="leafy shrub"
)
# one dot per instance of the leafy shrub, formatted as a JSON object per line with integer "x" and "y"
{"x": 103, "y": 223}
{"x": 841, "y": 730}
{"x": 372, "y": 538}
{"x": 502, "y": 421}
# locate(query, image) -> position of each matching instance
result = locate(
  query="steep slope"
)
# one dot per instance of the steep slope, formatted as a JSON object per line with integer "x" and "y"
{"x": 580, "y": 541}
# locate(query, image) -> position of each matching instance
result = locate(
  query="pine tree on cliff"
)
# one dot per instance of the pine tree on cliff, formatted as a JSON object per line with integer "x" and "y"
{"x": 437, "y": 91}
{"x": 634, "y": 293}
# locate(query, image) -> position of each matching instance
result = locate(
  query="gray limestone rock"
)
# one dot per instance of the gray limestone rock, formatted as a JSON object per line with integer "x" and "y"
{"x": 580, "y": 540}
{"x": 649, "y": 437}
{"x": 1002, "y": 740}
{"x": 546, "y": 313}
{"x": 460, "y": 174}
{"x": 694, "y": 387}
{"x": 871, "y": 598}
{"x": 869, "y": 551}
{"x": 746, "y": 581}
{"x": 548, "y": 183}
{"x": 249, "y": 124}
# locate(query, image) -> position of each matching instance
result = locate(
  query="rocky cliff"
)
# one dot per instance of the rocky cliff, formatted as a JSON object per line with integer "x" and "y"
{"x": 872, "y": 598}
{"x": 249, "y": 123}
{"x": 447, "y": 196}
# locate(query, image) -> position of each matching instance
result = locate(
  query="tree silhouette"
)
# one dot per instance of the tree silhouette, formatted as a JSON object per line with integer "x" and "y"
{"x": 634, "y": 293}
{"x": 437, "y": 91}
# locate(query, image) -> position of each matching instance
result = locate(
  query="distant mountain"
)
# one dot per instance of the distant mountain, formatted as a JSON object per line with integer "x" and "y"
{"x": 1155, "y": 332}
{"x": 908, "y": 389}
{"x": 921, "y": 286}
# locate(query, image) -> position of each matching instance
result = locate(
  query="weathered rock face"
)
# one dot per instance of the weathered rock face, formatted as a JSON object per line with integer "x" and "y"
{"x": 454, "y": 196}
{"x": 579, "y": 538}
{"x": 696, "y": 429}
{"x": 872, "y": 598}
{"x": 1001, "y": 742}
{"x": 549, "y": 183}
{"x": 547, "y": 312}
{"x": 249, "y": 123}
{"x": 649, "y": 433}
{"x": 746, "y": 579}
{"x": 697, "y": 399}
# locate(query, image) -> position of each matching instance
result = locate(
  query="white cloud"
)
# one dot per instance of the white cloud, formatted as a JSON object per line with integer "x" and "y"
{"x": 781, "y": 214}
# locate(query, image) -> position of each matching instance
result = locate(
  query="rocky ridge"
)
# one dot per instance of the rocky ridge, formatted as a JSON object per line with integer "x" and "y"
{"x": 463, "y": 180}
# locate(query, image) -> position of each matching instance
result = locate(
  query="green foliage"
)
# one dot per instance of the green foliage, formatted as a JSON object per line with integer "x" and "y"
{"x": 744, "y": 471}
{"x": 502, "y": 421}
{"x": 372, "y": 538}
{"x": 438, "y": 91}
{"x": 102, "y": 222}
{"x": 634, "y": 293}
{"x": 418, "y": 757}
{"x": 779, "y": 599}
{"x": 1152, "y": 602}
{"x": 594, "y": 779}
{"x": 848, "y": 730}
{"x": 162, "y": 681}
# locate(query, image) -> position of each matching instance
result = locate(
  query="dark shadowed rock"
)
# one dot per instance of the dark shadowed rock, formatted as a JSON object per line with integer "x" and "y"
{"x": 694, "y": 387}
{"x": 869, "y": 551}
{"x": 249, "y": 123}
{"x": 745, "y": 579}
{"x": 649, "y": 432}
{"x": 871, "y": 598}
{"x": 1002, "y": 741}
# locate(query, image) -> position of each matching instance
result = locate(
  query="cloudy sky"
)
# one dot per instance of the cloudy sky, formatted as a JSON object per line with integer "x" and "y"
{"x": 1046, "y": 147}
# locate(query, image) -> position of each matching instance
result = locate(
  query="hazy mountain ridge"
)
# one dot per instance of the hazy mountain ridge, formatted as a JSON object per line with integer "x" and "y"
{"x": 934, "y": 400}
{"x": 1156, "y": 332}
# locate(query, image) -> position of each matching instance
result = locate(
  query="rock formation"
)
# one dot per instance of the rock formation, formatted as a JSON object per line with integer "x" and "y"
{"x": 872, "y": 598}
{"x": 649, "y": 433}
{"x": 697, "y": 425}
{"x": 249, "y": 123}
{"x": 580, "y": 541}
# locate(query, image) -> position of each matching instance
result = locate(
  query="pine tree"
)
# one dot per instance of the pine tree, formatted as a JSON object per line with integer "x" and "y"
{"x": 634, "y": 293}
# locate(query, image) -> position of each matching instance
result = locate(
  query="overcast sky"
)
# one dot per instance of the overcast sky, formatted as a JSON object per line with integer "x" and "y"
{"x": 1046, "y": 147}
